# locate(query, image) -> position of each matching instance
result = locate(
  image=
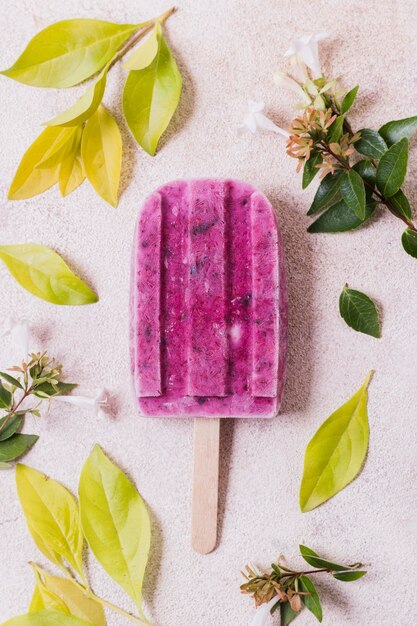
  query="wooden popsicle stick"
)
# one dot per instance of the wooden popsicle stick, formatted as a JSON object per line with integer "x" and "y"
{"x": 205, "y": 484}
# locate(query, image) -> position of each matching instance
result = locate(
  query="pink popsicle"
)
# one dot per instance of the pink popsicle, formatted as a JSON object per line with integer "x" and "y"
{"x": 208, "y": 302}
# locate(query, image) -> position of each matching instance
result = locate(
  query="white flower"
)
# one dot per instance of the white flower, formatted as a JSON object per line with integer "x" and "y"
{"x": 306, "y": 49}
{"x": 19, "y": 333}
{"x": 283, "y": 80}
{"x": 255, "y": 119}
{"x": 262, "y": 615}
{"x": 99, "y": 402}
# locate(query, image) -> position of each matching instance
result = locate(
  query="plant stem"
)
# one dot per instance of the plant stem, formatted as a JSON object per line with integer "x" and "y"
{"x": 14, "y": 408}
{"x": 117, "y": 609}
{"x": 307, "y": 573}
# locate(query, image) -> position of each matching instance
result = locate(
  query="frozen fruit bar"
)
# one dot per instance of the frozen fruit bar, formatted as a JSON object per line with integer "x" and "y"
{"x": 208, "y": 302}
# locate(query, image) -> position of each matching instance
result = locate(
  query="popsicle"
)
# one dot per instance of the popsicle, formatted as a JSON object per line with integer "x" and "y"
{"x": 208, "y": 319}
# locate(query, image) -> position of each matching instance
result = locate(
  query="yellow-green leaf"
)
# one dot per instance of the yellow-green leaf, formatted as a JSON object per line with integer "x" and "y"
{"x": 101, "y": 151}
{"x": 42, "y": 272}
{"x": 85, "y": 106}
{"x": 71, "y": 171}
{"x": 336, "y": 453}
{"x": 61, "y": 149}
{"x": 74, "y": 600}
{"x": 68, "y": 52}
{"x": 47, "y": 617}
{"x": 151, "y": 95}
{"x": 115, "y": 523}
{"x": 145, "y": 54}
{"x": 52, "y": 516}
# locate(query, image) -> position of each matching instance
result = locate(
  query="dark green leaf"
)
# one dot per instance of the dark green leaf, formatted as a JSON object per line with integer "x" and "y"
{"x": 327, "y": 194}
{"x": 340, "y": 218}
{"x": 315, "y": 560}
{"x": 352, "y": 189}
{"x": 5, "y": 397}
{"x": 65, "y": 388}
{"x": 349, "y": 576}
{"x": 349, "y": 99}
{"x": 11, "y": 427}
{"x": 401, "y": 205}
{"x": 311, "y": 169}
{"x": 16, "y": 446}
{"x": 359, "y": 312}
{"x": 10, "y": 379}
{"x": 409, "y": 241}
{"x": 335, "y": 130}
{"x": 312, "y": 601}
{"x": 393, "y": 131}
{"x": 47, "y": 390}
{"x": 366, "y": 170}
{"x": 287, "y": 614}
{"x": 392, "y": 168}
{"x": 371, "y": 144}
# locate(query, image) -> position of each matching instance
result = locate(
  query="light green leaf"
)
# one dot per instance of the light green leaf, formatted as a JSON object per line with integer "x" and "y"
{"x": 68, "y": 52}
{"x": 52, "y": 516}
{"x": 327, "y": 194}
{"x": 352, "y": 189}
{"x": 12, "y": 426}
{"x": 101, "y": 151}
{"x": 312, "y": 601}
{"x": 5, "y": 397}
{"x": 145, "y": 54}
{"x": 60, "y": 150}
{"x": 393, "y": 131}
{"x": 337, "y": 452}
{"x": 42, "y": 598}
{"x": 85, "y": 106}
{"x": 409, "y": 241}
{"x": 115, "y": 523}
{"x": 359, "y": 312}
{"x": 42, "y": 272}
{"x": 311, "y": 169}
{"x": 71, "y": 171}
{"x": 340, "y": 218}
{"x": 349, "y": 99}
{"x": 151, "y": 96}
{"x": 47, "y": 617}
{"x": 401, "y": 205}
{"x": 348, "y": 577}
{"x": 371, "y": 144}
{"x": 392, "y": 168}
{"x": 16, "y": 446}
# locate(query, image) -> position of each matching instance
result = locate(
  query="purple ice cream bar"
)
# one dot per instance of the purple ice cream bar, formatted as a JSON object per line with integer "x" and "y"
{"x": 208, "y": 302}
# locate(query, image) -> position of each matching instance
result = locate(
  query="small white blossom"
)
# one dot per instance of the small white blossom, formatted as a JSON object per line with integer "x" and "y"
{"x": 306, "y": 50}
{"x": 262, "y": 615}
{"x": 283, "y": 80}
{"x": 255, "y": 119}
{"x": 99, "y": 402}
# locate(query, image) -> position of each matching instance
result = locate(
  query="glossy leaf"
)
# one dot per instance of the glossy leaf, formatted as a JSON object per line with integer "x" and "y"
{"x": 327, "y": 194}
{"x": 52, "y": 516}
{"x": 85, "y": 106}
{"x": 366, "y": 170}
{"x": 409, "y": 241}
{"x": 401, "y": 205}
{"x": 42, "y": 272}
{"x": 71, "y": 171}
{"x": 371, "y": 144}
{"x": 144, "y": 54}
{"x": 337, "y": 452}
{"x": 16, "y": 446}
{"x": 353, "y": 193}
{"x": 393, "y": 131}
{"x": 336, "y": 129}
{"x": 42, "y": 598}
{"x": 115, "y": 523}
{"x": 60, "y": 150}
{"x": 392, "y": 168}
{"x": 12, "y": 426}
{"x": 151, "y": 96}
{"x": 11, "y": 380}
{"x": 359, "y": 312}
{"x": 348, "y": 577}
{"x": 101, "y": 151}
{"x": 311, "y": 601}
{"x": 311, "y": 169}
{"x": 340, "y": 218}
{"x": 313, "y": 559}
{"x": 287, "y": 614}
{"x": 68, "y": 52}
{"x": 47, "y": 617}
{"x": 5, "y": 397}
{"x": 349, "y": 99}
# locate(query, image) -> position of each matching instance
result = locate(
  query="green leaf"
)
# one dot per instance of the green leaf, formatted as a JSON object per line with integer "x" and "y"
{"x": 359, "y": 312}
{"x": 42, "y": 598}
{"x": 340, "y": 218}
{"x": 71, "y": 170}
{"x": 371, "y": 144}
{"x": 337, "y": 452}
{"x": 6, "y": 397}
{"x": 349, "y": 99}
{"x": 101, "y": 151}
{"x": 52, "y": 516}
{"x": 11, "y": 379}
{"x": 16, "y": 446}
{"x": 366, "y": 170}
{"x": 47, "y": 617}
{"x": 401, "y": 205}
{"x": 392, "y": 168}
{"x": 313, "y": 559}
{"x": 393, "y": 131}
{"x": 144, "y": 55}
{"x": 287, "y": 614}
{"x": 409, "y": 241}
{"x": 47, "y": 390}
{"x": 327, "y": 194}
{"x": 349, "y": 576}
{"x": 115, "y": 523}
{"x": 85, "y": 106}
{"x": 42, "y": 272}
{"x": 312, "y": 601}
{"x": 68, "y": 52}
{"x": 13, "y": 425}
{"x": 336, "y": 129}
{"x": 352, "y": 189}
{"x": 151, "y": 96}
{"x": 60, "y": 148}
{"x": 311, "y": 169}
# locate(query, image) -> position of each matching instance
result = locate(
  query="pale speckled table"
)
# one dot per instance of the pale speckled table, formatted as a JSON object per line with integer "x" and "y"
{"x": 227, "y": 51}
